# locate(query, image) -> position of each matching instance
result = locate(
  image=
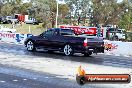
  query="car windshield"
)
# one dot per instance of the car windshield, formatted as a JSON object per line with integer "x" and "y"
{"x": 112, "y": 29}
{"x": 119, "y": 31}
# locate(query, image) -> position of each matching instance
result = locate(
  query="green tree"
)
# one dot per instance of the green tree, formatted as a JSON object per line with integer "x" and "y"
{"x": 41, "y": 11}
{"x": 45, "y": 10}
{"x": 107, "y": 11}
{"x": 10, "y": 7}
{"x": 20, "y": 7}
{"x": 125, "y": 20}
{"x": 6, "y": 9}
{"x": 78, "y": 8}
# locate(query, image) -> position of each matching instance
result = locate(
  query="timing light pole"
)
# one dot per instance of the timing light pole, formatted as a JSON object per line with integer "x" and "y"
{"x": 57, "y": 15}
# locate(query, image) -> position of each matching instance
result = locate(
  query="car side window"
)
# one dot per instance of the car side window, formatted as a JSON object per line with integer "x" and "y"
{"x": 67, "y": 32}
{"x": 48, "y": 33}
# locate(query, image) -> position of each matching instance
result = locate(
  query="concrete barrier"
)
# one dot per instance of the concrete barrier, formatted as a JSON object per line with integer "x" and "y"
{"x": 16, "y": 38}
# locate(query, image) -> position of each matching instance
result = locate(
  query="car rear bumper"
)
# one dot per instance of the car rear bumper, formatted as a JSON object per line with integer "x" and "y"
{"x": 95, "y": 49}
{"x": 90, "y": 49}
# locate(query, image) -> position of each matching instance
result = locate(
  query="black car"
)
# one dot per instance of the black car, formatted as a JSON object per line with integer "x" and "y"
{"x": 65, "y": 40}
{"x": 4, "y": 20}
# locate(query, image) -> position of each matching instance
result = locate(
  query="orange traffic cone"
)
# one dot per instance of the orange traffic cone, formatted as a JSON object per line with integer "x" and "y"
{"x": 81, "y": 71}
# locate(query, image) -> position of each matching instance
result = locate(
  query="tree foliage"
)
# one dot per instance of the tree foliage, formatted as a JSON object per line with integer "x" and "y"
{"x": 107, "y": 11}
{"x": 102, "y": 11}
{"x": 97, "y": 11}
{"x": 45, "y": 10}
{"x": 6, "y": 9}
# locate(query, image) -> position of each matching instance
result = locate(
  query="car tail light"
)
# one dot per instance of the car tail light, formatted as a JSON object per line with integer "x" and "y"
{"x": 85, "y": 43}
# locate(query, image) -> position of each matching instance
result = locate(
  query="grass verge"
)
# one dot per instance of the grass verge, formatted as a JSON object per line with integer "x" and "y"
{"x": 27, "y": 28}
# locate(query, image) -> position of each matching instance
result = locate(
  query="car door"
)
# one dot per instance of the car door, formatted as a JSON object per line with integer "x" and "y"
{"x": 55, "y": 40}
{"x": 44, "y": 40}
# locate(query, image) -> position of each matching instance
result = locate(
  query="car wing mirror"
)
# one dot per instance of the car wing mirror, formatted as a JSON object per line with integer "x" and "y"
{"x": 41, "y": 35}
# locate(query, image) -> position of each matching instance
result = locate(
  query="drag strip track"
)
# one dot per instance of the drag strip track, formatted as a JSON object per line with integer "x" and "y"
{"x": 100, "y": 59}
{"x": 12, "y": 77}
{"x": 61, "y": 69}
{"x": 20, "y": 78}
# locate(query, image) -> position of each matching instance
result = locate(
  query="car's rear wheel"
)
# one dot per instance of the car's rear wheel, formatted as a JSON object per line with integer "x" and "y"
{"x": 68, "y": 50}
{"x": 30, "y": 46}
{"x": 87, "y": 54}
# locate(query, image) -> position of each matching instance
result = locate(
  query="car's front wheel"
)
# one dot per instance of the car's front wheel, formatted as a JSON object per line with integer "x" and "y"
{"x": 30, "y": 46}
{"x": 68, "y": 50}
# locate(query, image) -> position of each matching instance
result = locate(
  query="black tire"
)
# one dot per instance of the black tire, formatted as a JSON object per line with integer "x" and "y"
{"x": 33, "y": 23}
{"x": 68, "y": 50}
{"x": 115, "y": 38}
{"x": 30, "y": 46}
{"x": 87, "y": 54}
{"x": 9, "y": 22}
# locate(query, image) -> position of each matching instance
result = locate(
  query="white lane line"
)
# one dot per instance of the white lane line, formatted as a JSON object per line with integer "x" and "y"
{"x": 2, "y": 81}
{"x": 107, "y": 61}
{"x": 108, "y": 54}
{"x": 34, "y": 78}
{"x": 24, "y": 79}
{"x": 117, "y": 55}
{"x": 63, "y": 77}
{"x": 100, "y": 53}
{"x": 46, "y": 77}
{"x": 15, "y": 80}
{"x": 126, "y": 56}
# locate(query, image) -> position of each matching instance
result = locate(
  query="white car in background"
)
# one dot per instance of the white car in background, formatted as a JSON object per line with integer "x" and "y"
{"x": 11, "y": 19}
{"x": 116, "y": 34}
{"x": 31, "y": 21}
{"x": 120, "y": 34}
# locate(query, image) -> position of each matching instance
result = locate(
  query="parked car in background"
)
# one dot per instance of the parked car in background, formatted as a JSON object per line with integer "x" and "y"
{"x": 4, "y": 20}
{"x": 8, "y": 19}
{"x": 65, "y": 40}
{"x": 115, "y": 34}
{"x": 11, "y": 19}
{"x": 32, "y": 21}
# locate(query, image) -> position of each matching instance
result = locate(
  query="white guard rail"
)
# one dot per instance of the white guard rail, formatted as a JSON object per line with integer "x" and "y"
{"x": 13, "y": 37}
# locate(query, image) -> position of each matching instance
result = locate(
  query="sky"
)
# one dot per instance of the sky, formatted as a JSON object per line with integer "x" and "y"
{"x": 119, "y": 0}
{"x": 25, "y": 1}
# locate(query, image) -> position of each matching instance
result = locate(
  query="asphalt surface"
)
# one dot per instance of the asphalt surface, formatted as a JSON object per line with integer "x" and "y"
{"x": 13, "y": 77}
{"x": 99, "y": 59}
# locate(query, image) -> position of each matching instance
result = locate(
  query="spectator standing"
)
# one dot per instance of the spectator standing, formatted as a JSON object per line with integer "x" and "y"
{"x": 13, "y": 24}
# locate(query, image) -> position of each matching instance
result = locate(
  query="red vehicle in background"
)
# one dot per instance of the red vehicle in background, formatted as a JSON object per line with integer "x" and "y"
{"x": 86, "y": 30}
{"x": 21, "y": 17}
